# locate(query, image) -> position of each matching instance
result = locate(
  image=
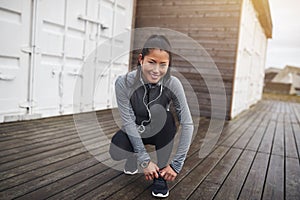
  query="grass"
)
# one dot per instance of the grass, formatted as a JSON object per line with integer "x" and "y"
{"x": 281, "y": 97}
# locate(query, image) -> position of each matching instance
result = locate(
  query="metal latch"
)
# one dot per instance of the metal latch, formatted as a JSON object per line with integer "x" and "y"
{"x": 5, "y": 77}
{"x": 27, "y": 104}
{"x": 29, "y": 49}
{"x": 95, "y": 21}
{"x": 75, "y": 74}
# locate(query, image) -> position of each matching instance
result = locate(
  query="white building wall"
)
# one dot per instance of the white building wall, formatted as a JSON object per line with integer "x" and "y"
{"x": 47, "y": 46}
{"x": 251, "y": 56}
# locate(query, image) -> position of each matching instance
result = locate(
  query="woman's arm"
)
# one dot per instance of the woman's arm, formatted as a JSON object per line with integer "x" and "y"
{"x": 186, "y": 123}
{"x": 128, "y": 119}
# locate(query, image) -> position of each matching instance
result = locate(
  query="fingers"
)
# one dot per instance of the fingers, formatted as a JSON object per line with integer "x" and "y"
{"x": 156, "y": 174}
{"x": 169, "y": 177}
{"x": 152, "y": 171}
{"x": 156, "y": 168}
{"x": 151, "y": 175}
{"x": 148, "y": 177}
{"x": 168, "y": 174}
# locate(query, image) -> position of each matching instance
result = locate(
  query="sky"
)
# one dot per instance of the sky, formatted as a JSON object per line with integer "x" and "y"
{"x": 284, "y": 48}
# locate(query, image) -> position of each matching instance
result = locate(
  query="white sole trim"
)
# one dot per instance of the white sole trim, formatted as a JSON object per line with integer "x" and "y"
{"x": 160, "y": 195}
{"x": 130, "y": 173}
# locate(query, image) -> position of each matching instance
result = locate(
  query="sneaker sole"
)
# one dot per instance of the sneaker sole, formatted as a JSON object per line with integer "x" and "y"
{"x": 160, "y": 195}
{"x": 130, "y": 173}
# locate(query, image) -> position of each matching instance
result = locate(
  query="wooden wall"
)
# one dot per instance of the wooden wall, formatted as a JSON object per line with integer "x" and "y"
{"x": 214, "y": 24}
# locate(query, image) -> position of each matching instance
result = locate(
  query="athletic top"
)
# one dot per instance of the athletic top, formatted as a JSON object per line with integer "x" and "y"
{"x": 132, "y": 101}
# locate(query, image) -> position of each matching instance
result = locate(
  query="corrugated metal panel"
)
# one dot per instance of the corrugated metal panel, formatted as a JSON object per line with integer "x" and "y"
{"x": 66, "y": 36}
{"x": 248, "y": 81}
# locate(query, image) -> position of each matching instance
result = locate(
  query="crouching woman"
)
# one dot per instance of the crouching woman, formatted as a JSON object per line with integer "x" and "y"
{"x": 144, "y": 97}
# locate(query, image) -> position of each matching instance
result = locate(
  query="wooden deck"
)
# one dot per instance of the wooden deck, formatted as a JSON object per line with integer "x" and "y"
{"x": 256, "y": 157}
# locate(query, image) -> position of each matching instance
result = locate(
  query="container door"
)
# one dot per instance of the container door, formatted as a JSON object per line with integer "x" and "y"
{"x": 50, "y": 34}
{"x": 117, "y": 15}
{"x": 67, "y": 34}
{"x": 69, "y": 39}
{"x": 15, "y": 18}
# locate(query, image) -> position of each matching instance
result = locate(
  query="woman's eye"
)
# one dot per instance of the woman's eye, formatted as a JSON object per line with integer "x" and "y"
{"x": 151, "y": 63}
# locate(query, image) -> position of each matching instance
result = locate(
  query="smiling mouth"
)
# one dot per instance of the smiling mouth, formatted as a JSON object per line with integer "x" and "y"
{"x": 153, "y": 76}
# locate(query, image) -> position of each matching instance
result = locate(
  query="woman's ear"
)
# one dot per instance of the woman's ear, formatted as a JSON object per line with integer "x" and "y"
{"x": 140, "y": 58}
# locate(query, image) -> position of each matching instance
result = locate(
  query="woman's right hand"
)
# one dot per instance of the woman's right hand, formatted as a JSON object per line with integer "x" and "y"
{"x": 151, "y": 171}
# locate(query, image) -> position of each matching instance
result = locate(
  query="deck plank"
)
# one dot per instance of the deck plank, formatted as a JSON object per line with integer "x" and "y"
{"x": 296, "y": 131}
{"x": 274, "y": 185}
{"x": 79, "y": 184}
{"x": 267, "y": 140}
{"x": 198, "y": 174}
{"x": 131, "y": 191}
{"x": 292, "y": 172}
{"x": 253, "y": 187}
{"x": 49, "y": 160}
{"x": 235, "y": 180}
{"x": 211, "y": 184}
{"x": 31, "y": 189}
{"x": 248, "y": 128}
{"x": 107, "y": 190}
{"x": 49, "y": 146}
{"x": 48, "y": 169}
{"x": 256, "y": 157}
{"x": 290, "y": 143}
{"x": 278, "y": 144}
{"x": 296, "y": 110}
{"x": 44, "y": 155}
{"x": 255, "y": 141}
{"x": 238, "y": 123}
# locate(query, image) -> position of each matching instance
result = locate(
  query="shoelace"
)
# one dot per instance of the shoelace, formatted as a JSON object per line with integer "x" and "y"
{"x": 160, "y": 182}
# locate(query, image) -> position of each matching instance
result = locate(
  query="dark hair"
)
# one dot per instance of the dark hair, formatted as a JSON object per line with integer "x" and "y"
{"x": 155, "y": 42}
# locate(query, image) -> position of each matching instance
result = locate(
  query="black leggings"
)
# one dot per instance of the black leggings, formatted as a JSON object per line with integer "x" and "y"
{"x": 163, "y": 142}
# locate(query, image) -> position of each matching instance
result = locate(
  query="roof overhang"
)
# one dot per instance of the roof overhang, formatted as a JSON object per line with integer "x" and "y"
{"x": 264, "y": 15}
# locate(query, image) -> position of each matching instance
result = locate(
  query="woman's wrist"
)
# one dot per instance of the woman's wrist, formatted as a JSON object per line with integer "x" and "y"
{"x": 173, "y": 168}
{"x": 144, "y": 164}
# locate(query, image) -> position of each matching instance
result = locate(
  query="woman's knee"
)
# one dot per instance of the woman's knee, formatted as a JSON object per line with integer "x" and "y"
{"x": 167, "y": 134}
{"x": 120, "y": 146}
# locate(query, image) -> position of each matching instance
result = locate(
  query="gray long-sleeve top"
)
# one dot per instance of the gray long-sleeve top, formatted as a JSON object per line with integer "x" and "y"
{"x": 174, "y": 92}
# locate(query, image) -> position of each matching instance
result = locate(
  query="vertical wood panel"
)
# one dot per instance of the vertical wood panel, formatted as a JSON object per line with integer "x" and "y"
{"x": 213, "y": 24}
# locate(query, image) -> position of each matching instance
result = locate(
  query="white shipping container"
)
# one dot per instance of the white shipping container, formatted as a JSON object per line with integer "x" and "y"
{"x": 47, "y": 45}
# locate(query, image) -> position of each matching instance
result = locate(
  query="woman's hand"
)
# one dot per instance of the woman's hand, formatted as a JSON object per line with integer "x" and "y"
{"x": 168, "y": 173}
{"x": 151, "y": 171}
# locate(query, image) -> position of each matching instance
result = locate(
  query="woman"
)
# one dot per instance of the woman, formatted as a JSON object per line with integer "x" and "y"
{"x": 144, "y": 96}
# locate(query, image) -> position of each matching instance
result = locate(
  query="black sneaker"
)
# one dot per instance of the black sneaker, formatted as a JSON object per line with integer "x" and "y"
{"x": 130, "y": 167}
{"x": 160, "y": 188}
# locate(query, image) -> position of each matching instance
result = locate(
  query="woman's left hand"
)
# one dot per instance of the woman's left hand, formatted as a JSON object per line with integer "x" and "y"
{"x": 168, "y": 173}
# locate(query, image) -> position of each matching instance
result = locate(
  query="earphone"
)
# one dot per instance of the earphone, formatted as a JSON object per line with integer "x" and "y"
{"x": 141, "y": 128}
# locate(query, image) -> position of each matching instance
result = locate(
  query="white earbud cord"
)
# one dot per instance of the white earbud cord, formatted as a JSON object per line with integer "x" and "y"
{"x": 141, "y": 128}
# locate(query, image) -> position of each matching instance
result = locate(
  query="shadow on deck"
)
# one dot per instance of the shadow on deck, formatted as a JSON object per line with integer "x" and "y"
{"x": 256, "y": 157}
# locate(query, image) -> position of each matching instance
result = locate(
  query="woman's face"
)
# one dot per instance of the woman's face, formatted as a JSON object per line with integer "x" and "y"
{"x": 154, "y": 65}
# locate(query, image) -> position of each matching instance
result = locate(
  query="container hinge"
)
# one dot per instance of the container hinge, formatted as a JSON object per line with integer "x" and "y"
{"x": 27, "y": 104}
{"x": 29, "y": 49}
{"x": 75, "y": 74}
{"x": 6, "y": 77}
{"x": 95, "y": 21}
